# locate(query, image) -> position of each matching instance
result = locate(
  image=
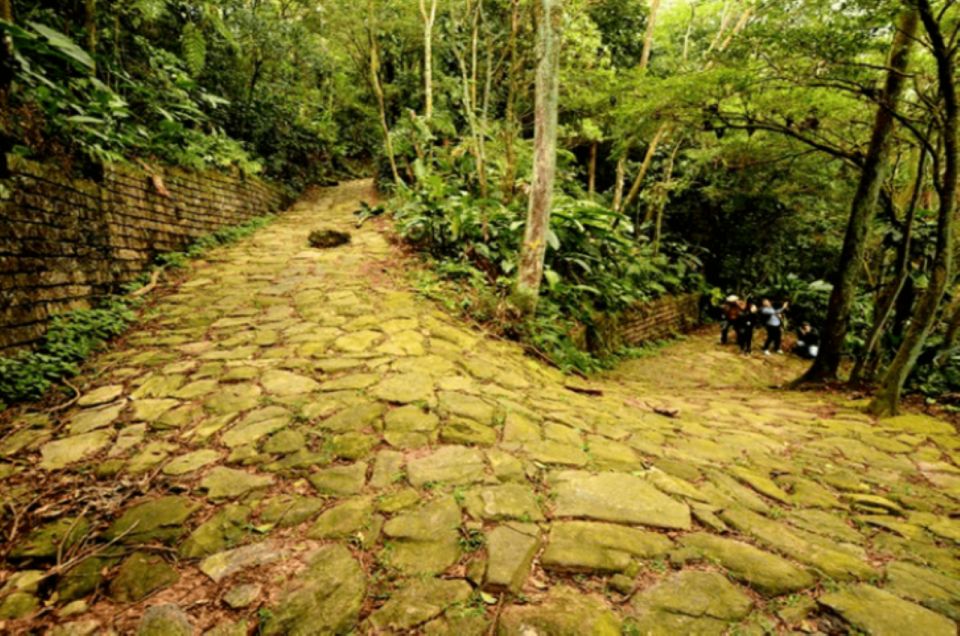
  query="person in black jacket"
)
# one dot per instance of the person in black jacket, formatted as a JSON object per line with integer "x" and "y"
{"x": 748, "y": 319}
{"x": 808, "y": 342}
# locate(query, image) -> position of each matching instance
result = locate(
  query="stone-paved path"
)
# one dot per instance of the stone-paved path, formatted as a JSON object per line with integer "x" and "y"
{"x": 295, "y": 443}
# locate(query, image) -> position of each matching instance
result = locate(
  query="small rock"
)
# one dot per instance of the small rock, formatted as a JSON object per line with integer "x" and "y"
{"x": 223, "y": 564}
{"x": 165, "y": 620}
{"x": 241, "y": 596}
{"x": 326, "y": 238}
{"x": 140, "y": 575}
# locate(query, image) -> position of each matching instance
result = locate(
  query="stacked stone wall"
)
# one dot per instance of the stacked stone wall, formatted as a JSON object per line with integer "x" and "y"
{"x": 659, "y": 319}
{"x": 65, "y": 241}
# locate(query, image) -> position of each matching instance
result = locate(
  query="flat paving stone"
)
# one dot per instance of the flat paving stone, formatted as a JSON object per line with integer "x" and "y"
{"x": 617, "y": 497}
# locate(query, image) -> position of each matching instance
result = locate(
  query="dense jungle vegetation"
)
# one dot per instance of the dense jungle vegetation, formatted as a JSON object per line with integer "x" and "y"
{"x": 559, "y": 160}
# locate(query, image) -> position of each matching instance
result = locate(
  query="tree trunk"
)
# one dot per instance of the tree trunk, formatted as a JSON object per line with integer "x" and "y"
{"x": 381, "y": 100}
{"x": 470, "y": 114}
{"x": 885, "y": 310}
{"x": 648, "y": 37}
{"x": 661, "y": 201}
{"x": 644, "y": 167}
{"x": 618, "y": 187}
{"x": 90, "y": 25}
{"x": 510, "y": 125}
{"x": 428, "y": 19}
{"x": 864, "y": 204}
{"x": 592, "y": 171}
{"x": 924, "y": 316}
{"x": 951, "y": 337}
{"x": 534, "y": 246}
{"x": 6, "y": 49}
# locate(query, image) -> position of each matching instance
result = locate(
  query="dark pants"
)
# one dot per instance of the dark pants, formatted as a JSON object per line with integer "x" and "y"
{"x": 725, "y": 328}
{"x": 774, "y": 338}
{"x": 745, "y": 339}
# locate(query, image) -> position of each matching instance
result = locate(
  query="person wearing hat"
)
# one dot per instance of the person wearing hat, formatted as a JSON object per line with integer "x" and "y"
{"x": 731, "y": 311}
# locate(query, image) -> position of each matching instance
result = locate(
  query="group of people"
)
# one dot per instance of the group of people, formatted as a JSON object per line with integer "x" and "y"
{"x": 743, "y": 317}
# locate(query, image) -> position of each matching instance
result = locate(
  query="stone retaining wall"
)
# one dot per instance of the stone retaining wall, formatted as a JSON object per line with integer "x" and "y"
{"x": 65, "y": 241}
{"x": 646, "y": 322}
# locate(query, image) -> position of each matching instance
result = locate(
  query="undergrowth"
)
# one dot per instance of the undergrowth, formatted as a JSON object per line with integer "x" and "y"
{"x": 596, "y": 265}
{"x": 74, "y": 335}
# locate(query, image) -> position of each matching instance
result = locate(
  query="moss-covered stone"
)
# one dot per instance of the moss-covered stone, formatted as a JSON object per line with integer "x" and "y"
{"x": 325, "y": 598}
{"x": 154, "y": 520}
{"x": 290, "y": 510}
{"x": 343, "y": 520}
{"x": 51, "y": 538}
{"x": 229, "y": 483}
{"x": 223, "y": 564}
{"x": 510, "y": 554}
{"x": 565, "y": 610}
{"x": 340, "y": 480}
{"x": 599, "y": 547}
{"x": 140, "y": 575}
{"x": 763, "y": 571}
{"x": 165, "y": 620}
{"x": 690, "y": 602}
{"x": 617, "y": 497}
{"x": 223, "y": 530}
{"x": 881, "y": 613}
{"x": 425, "y": 540}
{"x": 449, "y": 464}
{"x": 417, "y": 601}
{"x": 506, "y": 501}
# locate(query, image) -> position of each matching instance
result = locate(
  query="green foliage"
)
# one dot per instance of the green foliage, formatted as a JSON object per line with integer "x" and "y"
{"x": 594, "y": 265}
{"x": 70, "y": 338}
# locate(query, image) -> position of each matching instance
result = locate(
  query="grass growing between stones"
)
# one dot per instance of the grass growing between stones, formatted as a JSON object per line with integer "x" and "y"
{"x": 73, "y": 336}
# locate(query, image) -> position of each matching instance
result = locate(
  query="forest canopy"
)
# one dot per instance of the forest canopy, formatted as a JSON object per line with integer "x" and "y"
{"x": 613, "y": 150}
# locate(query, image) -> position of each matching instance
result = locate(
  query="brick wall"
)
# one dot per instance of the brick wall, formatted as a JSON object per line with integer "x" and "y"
{"x": 65, "y": 241}
{"x": 645, "y": 322}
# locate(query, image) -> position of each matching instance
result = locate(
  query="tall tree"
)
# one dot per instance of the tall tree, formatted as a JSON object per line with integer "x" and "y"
{"x": 510, "y": 125}
{"x": 429, "y": 16}
{"x": 874, "y": 169}
{"x": 533, "y": 250}
{"x": 6, "y": 50}
{"x": 375, "y": 83}
{"x": 925, "y": 313}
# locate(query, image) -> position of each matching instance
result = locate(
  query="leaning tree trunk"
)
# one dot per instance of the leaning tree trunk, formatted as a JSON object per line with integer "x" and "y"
{"x": 381, "y": 102}
{"x": 874, "y": 169}
{"x": 6, "y": 48}
{"x": 924, "y": 316}
{"x": 644, "y": 167}
{"x": 534, "y": 246}
{"x": 885, "y": 310}
{"x": 648, "y": 37}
